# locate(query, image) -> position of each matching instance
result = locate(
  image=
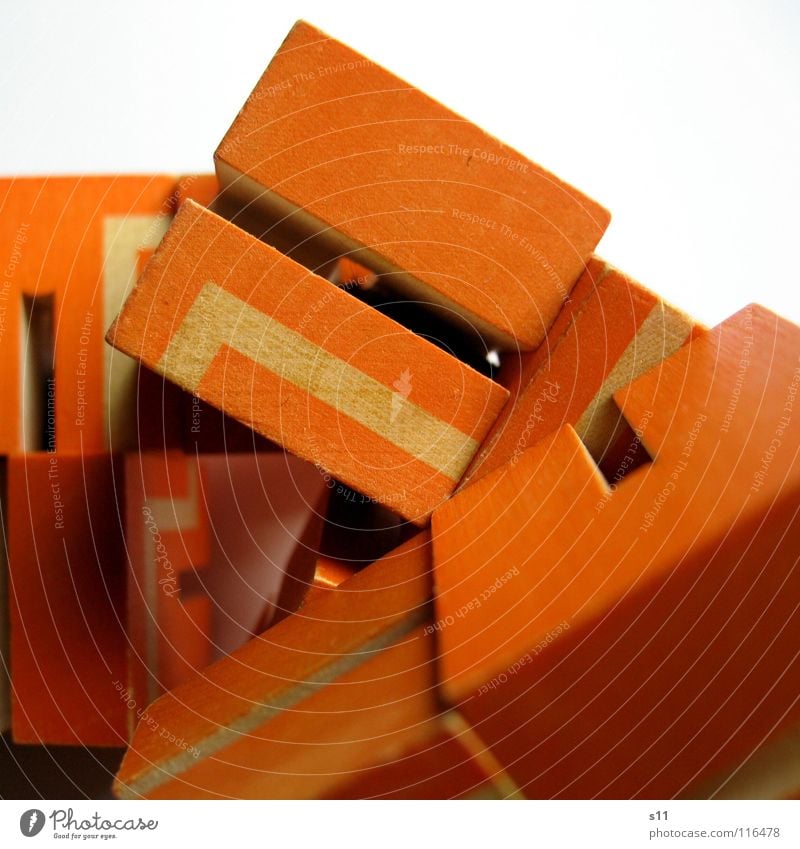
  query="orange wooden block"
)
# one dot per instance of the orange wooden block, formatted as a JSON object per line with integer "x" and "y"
{"x": 207, "y": 430}
{"x": 306, "y": 365}
{"x": 306, "y": 706}
{"x": 75, "y": 246}
{"x": 67, "y": 600}
{"x": 629, "y": 642}
{"x": 337, "y": 147}
{"x": 611, "y": 331}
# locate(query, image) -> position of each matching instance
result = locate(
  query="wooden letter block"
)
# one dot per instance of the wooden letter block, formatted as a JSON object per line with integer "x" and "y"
{"x": 67, "y": 600}
{"x": 332, "y": 144}
{"x": 75, "y": 246}
{"x": 306, "y": 706}
{"x": 633, "y": 641}
{"x": 306, "y": 365}
{"x": 611, "y": 331}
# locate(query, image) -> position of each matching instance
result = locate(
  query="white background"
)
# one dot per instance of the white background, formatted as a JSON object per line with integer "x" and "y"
{"x": 683, "y": 118}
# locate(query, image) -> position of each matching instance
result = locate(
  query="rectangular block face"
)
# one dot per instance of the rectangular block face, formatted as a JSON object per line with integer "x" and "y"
{"x": 612, "y": 331}
{"x": 306, "y": 365}
{"x": 332, "y": 140}
{"x": 636, "y": 640}
{"x": 67, "y": 600}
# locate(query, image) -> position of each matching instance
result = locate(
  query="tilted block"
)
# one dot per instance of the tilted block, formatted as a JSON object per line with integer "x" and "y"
{"x": 306, "y": 365}
{"x": 338, "y": 148}
{"x": 611, "y": 331}
{"x": 641, "y": 638}
{"x": 282, "y": 718}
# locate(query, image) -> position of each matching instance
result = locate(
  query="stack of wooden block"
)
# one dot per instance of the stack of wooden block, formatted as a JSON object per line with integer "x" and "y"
{"x": 456, "y": 508}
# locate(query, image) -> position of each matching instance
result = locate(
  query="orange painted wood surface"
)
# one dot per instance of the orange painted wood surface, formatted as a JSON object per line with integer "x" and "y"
{"x": 67, "y": 600}
{"x": 611, "y": 331}
{"x": 306, "y": 365}
{"x": 331, "y": 143}
{"x": 441, "y": 767}
{"x": 306, "y": 706}
{"x": 75, "y": 245}
{"x": 74, "y": 248}
{"x": 629, "y": 642}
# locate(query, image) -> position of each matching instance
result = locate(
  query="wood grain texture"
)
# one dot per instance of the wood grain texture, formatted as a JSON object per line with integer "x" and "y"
{"x": 640, "y": 639}
{"x": 306, "y": 365}
{"x": 612, "y": 330}
{"x": 301, "y": 709}
{"x": 335, "y": 145}
{"x": 67, "y": 600}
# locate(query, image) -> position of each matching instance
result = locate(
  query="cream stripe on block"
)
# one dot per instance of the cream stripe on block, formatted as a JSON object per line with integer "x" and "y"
{"x": 124, "y": 238}
{"x": 218, "y": 318}
{"x": 249, "y": 722}
{"x": 661, "y": 334}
